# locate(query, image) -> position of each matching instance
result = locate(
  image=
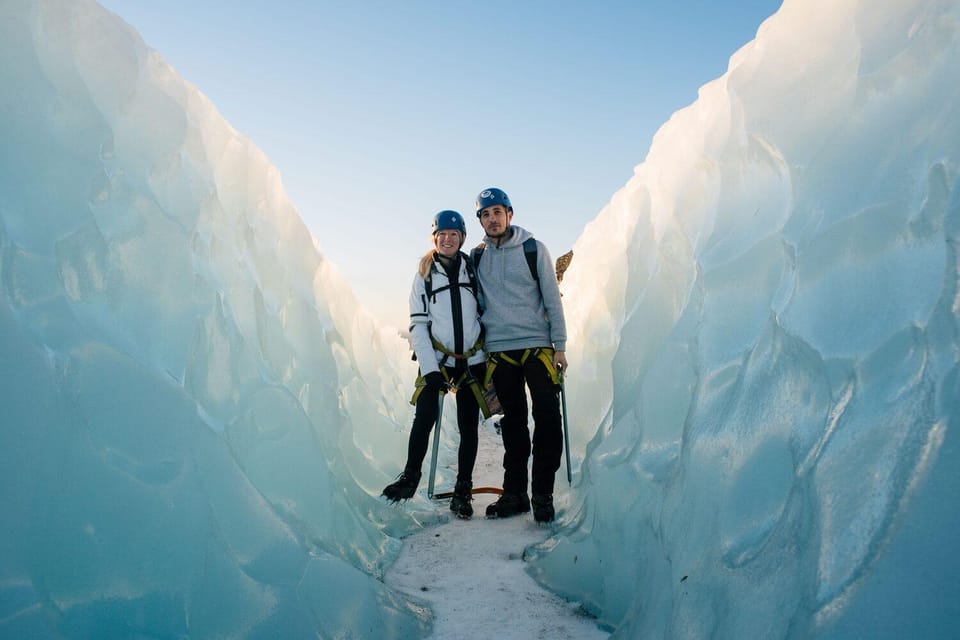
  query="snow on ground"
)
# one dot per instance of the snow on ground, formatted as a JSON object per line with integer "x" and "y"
{"x": 471, "y": 572}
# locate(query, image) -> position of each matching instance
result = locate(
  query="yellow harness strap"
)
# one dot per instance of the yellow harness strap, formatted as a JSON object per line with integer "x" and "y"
{"x": 544, "y": 354}
{"x": 458, "y": 356}
{"x": 466, "y": 380}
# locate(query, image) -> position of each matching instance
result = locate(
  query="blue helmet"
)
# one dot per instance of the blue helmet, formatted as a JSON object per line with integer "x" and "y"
{"x": 490, "y": 197}
{"x": 448, "y": 219}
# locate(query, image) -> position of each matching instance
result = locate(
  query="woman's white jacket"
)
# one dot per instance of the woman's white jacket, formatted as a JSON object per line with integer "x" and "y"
{"x": 450, "y": 314}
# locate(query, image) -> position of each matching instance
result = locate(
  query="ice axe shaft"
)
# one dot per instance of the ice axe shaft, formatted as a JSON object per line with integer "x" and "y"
{"x": 436, "y": 445}
{"x": 566, "y": 428}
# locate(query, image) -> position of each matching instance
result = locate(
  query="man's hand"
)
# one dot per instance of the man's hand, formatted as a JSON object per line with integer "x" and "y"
{"x": 560, "y": 361}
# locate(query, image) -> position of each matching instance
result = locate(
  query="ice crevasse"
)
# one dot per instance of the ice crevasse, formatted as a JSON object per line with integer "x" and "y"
{"x": 196, "y": 416}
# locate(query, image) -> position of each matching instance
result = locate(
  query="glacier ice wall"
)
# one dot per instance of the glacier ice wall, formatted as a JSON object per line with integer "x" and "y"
{"x": 764, "y": 320}
{"x": 187, "y": 388}
{"x": 772, "y": 352}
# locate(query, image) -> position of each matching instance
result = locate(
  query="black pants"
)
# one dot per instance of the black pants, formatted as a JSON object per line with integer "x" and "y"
{"x": 468, "y": 417}
{"x": 509, "y": 381}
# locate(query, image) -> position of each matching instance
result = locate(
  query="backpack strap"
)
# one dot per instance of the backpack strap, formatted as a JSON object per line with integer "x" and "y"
{"x": 476, "y": 253}
{"x": 529, "y": 252}
{"x": 471, "y": 275}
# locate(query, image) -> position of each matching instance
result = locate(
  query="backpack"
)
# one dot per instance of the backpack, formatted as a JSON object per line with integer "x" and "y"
{"x": 529, "y": 252}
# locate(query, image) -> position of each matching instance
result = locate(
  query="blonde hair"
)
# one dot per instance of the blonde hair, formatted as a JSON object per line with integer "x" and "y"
{"x": 426, "y": 262}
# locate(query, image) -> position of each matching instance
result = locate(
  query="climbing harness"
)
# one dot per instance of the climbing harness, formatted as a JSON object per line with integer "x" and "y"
{"x": 465, "y": 380}
{"x": 543, "y": 354}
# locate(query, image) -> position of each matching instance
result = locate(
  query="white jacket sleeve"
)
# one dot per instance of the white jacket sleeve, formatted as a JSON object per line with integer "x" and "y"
{"x": 420, "y": 327}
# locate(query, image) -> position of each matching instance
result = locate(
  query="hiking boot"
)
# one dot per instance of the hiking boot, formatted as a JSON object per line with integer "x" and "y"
{"x": 462, "y": 497}
{"x": 403, "y": 488}
{"x": 509, "y": 504}
{"x": 543, "y": 507}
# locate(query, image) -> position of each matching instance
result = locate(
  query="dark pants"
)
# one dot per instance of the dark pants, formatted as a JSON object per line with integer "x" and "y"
{"x": 468, "y": 416}
{"x": 509, "y": 382}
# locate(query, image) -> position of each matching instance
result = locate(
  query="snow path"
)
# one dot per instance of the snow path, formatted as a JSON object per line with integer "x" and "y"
{"x": 471, "y": 572}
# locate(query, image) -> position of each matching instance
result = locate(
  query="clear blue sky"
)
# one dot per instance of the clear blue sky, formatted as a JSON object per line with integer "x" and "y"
{"x": 378, "y": 114}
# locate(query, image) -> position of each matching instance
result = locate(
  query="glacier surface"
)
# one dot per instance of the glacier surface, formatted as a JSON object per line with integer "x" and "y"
{"x": 196, "y": 417}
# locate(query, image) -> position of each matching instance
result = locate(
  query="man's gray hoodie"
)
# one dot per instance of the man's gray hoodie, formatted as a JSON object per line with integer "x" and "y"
{"x": 517, "y": 312}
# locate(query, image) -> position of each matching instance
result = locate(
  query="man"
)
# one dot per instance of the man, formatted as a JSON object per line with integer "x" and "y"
{"x": 525, "y": 341}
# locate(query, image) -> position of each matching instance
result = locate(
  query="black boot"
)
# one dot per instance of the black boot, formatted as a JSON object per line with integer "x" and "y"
{"x": 462, "y": 497}
{"x": 403, "y": 488}
{"x": 543, "y": 507}
{"x": 509, "y": 504}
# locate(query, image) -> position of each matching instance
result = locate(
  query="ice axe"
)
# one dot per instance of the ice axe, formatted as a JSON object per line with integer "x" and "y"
{"x": 436, "y": 443}
{"x": 566, "y": 428}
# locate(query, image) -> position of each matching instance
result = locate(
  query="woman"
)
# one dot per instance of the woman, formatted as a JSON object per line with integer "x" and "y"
{"x": 448, "y": 343}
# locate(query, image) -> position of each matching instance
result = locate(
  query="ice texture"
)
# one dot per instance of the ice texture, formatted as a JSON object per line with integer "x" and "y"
{"x": 771, "y": 351}
{"x": 189, "y": 392}
{"x": 196, "y": 417}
